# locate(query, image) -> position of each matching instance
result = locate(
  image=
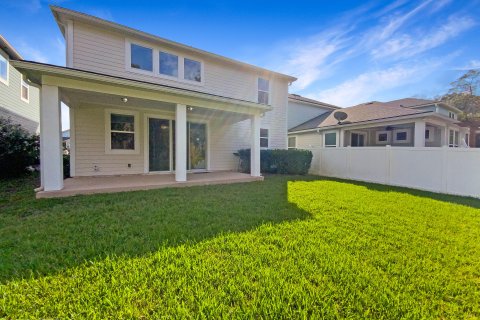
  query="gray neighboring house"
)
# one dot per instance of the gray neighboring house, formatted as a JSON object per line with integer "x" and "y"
{"x": 19, "y": 100}
{"x": 406, "y": 122}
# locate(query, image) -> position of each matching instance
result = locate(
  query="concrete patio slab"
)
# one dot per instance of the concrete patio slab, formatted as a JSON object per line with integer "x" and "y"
{"x": 111, "y": 184}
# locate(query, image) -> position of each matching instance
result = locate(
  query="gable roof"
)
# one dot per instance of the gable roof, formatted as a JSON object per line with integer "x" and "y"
{"x": 365, "y": 112}
{"x": 62, "y": 15}
{"x": 9, "y": 49}
{"x": 300, "y": 99}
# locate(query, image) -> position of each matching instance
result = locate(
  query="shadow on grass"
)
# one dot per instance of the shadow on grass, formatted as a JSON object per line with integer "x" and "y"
{"x": 466, "y": 201}
{"x": 42, "y": 237}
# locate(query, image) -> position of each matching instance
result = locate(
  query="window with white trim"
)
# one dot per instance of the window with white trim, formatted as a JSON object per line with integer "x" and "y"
{"x": 382, "y": 137}
{"x": 451, "y": 115}
{"x": 263, "y": 86}
{"x": 330, "y": 139}
{"x": 3, "y": 69}
{"x": 429, "y": 134}
{"x": 192, "y": 70}
{"x": 141, "y": 57}
{"x": 453, "y": 139}
{"x": 402, "y": 136}
{"x": 121, "y": 132}
{"x": 292, "y": 142}
{"x": 25, "y": 91}
{"x": 168, "y": 64}
{"x": 263, "y": 138}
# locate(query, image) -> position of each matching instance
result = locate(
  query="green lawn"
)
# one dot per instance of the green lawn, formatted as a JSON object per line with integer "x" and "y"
{"x": 288, "y": 247}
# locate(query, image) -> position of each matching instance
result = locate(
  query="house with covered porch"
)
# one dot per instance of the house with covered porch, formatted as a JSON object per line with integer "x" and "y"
{"x": 404, "y": 123}
{"x": 146, "y": 111}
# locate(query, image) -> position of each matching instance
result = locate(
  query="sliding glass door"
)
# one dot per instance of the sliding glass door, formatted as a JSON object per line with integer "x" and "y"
{"x": 162, "y": 145}
{"x": 159, "y": 144}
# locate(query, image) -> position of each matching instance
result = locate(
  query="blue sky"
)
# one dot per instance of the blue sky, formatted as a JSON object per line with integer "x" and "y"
{"x": 343, "y": 52}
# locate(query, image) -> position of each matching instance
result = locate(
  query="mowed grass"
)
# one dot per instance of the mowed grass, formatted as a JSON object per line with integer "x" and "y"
{"x": 288, "y": 247}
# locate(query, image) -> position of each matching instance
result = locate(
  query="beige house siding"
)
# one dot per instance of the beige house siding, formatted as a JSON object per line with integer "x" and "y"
{"x": 103, "y": 51}
{"x": 224, "y": 138}
{"x": 308, "y": 140}
{"x": 11, "y": 104}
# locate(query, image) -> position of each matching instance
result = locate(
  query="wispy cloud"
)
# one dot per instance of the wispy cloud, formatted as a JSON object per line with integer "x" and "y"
{"x": 405, "y": 45}
{"x": 377, "y": 43}
{"x": 30, "y": 53}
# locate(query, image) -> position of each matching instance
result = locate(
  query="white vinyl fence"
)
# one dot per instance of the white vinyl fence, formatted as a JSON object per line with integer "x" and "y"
{"x": 444, "y": 170}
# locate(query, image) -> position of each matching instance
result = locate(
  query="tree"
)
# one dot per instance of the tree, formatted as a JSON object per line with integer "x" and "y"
{"x": 463, "y": 94}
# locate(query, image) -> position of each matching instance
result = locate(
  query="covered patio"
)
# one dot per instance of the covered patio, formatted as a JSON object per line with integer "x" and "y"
{"x": 134, "y": 135}
{"x": 111, "y": 184}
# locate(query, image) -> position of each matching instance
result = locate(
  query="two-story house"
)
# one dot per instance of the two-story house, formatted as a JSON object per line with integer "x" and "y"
{"x": 141, "y": 104}
{"x": 19, "y": 101}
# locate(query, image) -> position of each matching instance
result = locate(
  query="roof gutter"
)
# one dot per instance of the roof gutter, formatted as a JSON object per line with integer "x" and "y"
{"x": 9, "y": 49}
{"x": 46, "y": 69}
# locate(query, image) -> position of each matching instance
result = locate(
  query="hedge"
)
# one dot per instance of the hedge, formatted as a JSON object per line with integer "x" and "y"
{"x": 292, "y": 161}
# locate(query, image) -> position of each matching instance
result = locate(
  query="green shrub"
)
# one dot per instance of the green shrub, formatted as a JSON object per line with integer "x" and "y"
{"x": 19, "y": 149}
{"x": 292, "y": 161}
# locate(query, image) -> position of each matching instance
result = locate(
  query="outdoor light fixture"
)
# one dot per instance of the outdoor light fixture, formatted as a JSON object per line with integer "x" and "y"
{"x": 124, "y": 99}
{"x": 189, "y": 108}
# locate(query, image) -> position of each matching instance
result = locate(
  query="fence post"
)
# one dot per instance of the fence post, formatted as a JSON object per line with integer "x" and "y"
{"x": 348, "y": 173}
{"x": 388, "y": 159}
{"x": 444, "y": 186}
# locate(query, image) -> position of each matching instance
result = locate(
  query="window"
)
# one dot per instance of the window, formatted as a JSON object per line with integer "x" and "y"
{"x": 382, "y": 137}
{"x": 357, "y": 139}
{"x": 401, "y": 136}
{"x": 192, "y": 70}
{"x": 451, "y": 115}
{"x": 121, "y": 135}
{"x": 25, "y": 91}
{"x": 3, "y": 69}
{"x": 292, "y": 142}
{"x": 330, "y": 139}
{"x": 263, "y": 138}
{"x": 467, "y": 139}
{"x": 168, "y": 64}
{"x": 141, "y": 57}
{"x": 263, "y": 90}
{"x": 453, "y": 139}
{"x": 429, "y": 134}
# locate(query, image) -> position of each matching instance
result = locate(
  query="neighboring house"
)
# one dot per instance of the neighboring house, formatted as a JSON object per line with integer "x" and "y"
{"x": 405, "y": 122}
{"x": 474, "y": 126}
{"x": 19, "y": 101}
{"x": 143, "y": 104}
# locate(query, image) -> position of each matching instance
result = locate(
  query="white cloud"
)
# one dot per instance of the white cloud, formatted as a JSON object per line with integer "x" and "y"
{"x": 365, "y": 86}
{"x": 406, "y": 45}
{"x": 30, "y": 53}
{"x": 472, "y": 64}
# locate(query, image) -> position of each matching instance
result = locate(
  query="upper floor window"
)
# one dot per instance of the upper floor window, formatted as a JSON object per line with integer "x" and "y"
{"x": 192, "y": 70}
{"x": 168, "y": 64}
{"x": 3, "y": 69}
{"x": 263, "y": 138}
{"x": 451, "y": 115}
{"x": 25, "y": 91}
{"x": 141, "y": 57}
{"x": 263, "y": 90}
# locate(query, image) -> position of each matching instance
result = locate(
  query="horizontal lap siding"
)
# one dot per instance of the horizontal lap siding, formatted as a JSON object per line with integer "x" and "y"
{"x": 90, "y": 146}
{"x": 104, "y": 51}
{"x": 11, "y": 102}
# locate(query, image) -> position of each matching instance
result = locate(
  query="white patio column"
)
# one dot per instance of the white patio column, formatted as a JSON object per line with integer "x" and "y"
{"x": 51, "y": 155}
{"x": 181, "y": 143}
{"x": 444, "y": 136}
{"x": 419, "y": 136}
{"x": 255, "y": 146}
